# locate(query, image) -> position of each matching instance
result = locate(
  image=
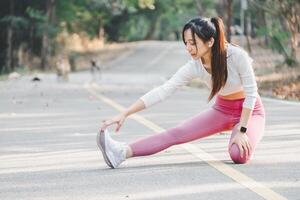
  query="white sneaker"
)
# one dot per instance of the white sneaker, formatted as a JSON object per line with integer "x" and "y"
{"x": 114, "y": 152}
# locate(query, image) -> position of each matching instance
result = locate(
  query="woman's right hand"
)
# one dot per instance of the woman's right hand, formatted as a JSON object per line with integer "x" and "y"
{"x": 119, "y": 120}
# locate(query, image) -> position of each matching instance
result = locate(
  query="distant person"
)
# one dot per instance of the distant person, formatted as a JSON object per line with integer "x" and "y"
{"x": 63, "y": 68}
{"x": 95, "y": 69}
{"x": 227, "y": 71}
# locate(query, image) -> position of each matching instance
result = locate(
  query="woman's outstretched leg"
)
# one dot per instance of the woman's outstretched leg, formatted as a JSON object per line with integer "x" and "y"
{"x": 202, "y": 125}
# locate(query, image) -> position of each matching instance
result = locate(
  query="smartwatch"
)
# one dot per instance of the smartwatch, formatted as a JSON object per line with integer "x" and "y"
{"x": 243, "y": 129}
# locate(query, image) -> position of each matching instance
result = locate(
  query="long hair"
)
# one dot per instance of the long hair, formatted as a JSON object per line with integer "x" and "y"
{"x": 205, "y": 29}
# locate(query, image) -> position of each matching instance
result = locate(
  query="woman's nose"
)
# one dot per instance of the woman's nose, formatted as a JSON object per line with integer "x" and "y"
{"x": 188, "y": 48}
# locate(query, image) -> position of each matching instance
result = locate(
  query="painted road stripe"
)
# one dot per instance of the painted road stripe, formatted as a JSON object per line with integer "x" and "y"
{"x": 160, "y": 56}
{"x": 43, "y": 128}
{"x": 291, "y": 103}
{"x": 32, "y": 115}
{"x": 237, "y": 176}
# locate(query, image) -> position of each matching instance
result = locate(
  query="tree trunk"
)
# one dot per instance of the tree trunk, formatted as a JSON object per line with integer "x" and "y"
{"x": 44, "y": 51}
{"x": 229, "y": 18}
{"x": 177, "y": 35}
{"x": 247, "y": 31}
{"x": 293, "y": 27}
{"x": 101, "y": 29}
{"x": 9, "y": 51}
{"x": 264, "y": 24}
{"x": 8, "y": 64}
{"x": 221, "y": 12}
{"x": 291, "y": 14}
{"x": 253, "y": 27}
{"x": 199, "y": 7}
{"x": 151, "y": 31}
{"x": 50, "y": 4}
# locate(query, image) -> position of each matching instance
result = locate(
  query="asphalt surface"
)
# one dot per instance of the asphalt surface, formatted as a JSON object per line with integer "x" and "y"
{"x": 48, "y": 131}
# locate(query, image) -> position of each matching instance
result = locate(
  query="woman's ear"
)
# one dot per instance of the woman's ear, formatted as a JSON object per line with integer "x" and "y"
{"x": 211, "y": 42}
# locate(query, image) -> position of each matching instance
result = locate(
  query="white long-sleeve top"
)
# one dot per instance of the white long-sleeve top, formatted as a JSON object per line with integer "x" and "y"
{"x": 240, "y": 77}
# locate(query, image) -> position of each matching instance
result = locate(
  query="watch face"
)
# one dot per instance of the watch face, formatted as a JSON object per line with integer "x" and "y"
{"x": 243, "y": 129}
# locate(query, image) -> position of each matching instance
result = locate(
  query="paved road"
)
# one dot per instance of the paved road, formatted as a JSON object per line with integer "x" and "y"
{"x": 48, "y": 130}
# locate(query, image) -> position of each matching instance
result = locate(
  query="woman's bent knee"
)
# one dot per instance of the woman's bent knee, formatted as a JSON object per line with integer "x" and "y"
{"x": 234, "y": 153}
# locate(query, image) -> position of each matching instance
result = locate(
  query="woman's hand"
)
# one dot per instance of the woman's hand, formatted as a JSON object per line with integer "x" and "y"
{"x": 119, "y": 120}
{"x": 242, "y": 141}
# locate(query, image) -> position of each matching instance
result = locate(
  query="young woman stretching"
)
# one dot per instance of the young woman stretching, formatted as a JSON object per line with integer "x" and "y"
{"x": 227, "y": 71}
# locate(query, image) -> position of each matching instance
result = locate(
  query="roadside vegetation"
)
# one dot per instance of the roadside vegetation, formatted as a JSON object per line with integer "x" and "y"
{"x": 36, "y": 34}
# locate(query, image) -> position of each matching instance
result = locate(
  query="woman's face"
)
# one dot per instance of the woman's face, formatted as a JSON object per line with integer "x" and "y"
{"x": 198, "y": 49}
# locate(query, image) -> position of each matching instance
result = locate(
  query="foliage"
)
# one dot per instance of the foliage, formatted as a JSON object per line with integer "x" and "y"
{"x": 284, "y": 28}
{"x": 14, "y": 22}
{"x": 279, "y": 38}
{"x": 131, "y": 20}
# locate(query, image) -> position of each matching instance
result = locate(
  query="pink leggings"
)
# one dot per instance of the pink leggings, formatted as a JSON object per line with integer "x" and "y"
{"x": 223, "y": 116}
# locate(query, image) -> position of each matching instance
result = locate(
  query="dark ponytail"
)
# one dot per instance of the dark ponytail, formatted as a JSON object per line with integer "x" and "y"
{"x": 219, "y": 58}
{"x": 205, "y": 29}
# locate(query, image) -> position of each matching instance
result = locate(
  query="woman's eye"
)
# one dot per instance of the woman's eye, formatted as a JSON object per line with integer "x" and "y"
{"x": 190, "y": 43}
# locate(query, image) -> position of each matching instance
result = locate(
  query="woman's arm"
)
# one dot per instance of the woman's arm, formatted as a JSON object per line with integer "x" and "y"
{"x": 186, "y": 73}
{"x": 244, "y": 65}
{"x": 180, "y": 78}
{"x": 241, "y": 139}
{"x": 245, "y": 116}
{"x": 120, "y": 118}
{"x": 135, "y": 107}
{"x": 246, "y": 72}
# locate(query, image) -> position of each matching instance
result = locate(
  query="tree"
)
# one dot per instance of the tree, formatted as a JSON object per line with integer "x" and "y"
{"x": 9, "y": 51}
{"x": 289, "y": 10}
{"x": 229, "y": 19}
{"x": 50, "y": 7}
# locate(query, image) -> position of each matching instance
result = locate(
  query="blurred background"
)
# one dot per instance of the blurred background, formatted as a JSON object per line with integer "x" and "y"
{"x": 48, "y": 35}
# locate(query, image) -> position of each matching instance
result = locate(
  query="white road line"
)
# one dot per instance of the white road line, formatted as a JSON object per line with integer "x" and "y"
{"x": 23, "y": 115}
{"x": 237, "y": 176}
{"x": 173, "y": 192}
{"x": 42, "y": 128}
{"x": 122, "y": 57}
{"x": 294, "y": 103}
{"x": 159, "y": 56}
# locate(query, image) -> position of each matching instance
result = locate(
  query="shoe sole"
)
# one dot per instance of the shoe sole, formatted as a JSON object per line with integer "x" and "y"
{"x": 101, "y": 145}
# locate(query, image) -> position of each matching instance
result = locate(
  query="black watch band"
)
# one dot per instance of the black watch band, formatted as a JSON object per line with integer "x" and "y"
{"x": 243, "y": 129}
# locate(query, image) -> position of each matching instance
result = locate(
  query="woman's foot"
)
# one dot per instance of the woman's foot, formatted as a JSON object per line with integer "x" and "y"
{"x": 114, "y": 152}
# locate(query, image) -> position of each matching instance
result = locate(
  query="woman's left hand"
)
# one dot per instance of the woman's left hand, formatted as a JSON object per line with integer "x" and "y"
{"x": 242, "y": 141}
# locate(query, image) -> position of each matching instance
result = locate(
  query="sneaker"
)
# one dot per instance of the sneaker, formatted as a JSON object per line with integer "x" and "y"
{"x": 101, "y": 145}
{"x": 114, "y": 152}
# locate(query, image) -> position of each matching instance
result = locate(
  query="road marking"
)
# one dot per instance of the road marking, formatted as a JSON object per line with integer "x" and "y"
{"x": 155, "y": 60}
{"x": 122, "y": 57}
{"x": 23, "y": 115}
{"x": 237, "y": 176}
{"x": 294, "y": 103}
{"x": 42, "y": 128}
{"x": 173, "y": 192}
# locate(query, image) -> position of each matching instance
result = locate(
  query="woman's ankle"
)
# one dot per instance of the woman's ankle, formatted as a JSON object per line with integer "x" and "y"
{"x": 129, "y": 153}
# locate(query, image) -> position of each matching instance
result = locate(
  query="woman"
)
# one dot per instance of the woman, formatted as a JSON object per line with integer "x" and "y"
{"x": 227, "y": 71}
